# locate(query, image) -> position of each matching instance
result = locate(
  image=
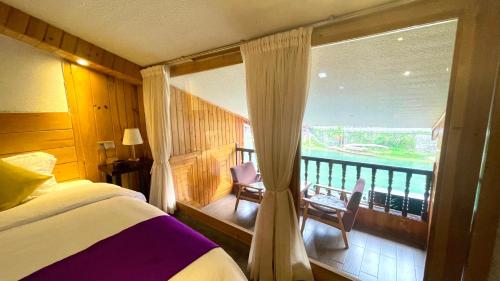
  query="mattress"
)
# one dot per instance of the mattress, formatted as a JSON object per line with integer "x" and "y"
{"x": 100, "y": 231}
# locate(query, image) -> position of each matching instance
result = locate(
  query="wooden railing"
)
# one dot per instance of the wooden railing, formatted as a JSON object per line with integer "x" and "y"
{"x": 382, "y": 197}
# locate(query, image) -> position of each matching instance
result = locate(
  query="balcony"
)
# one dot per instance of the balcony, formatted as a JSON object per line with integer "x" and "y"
{"x": 390, "y": 233}
{"x": 406, "y": 203}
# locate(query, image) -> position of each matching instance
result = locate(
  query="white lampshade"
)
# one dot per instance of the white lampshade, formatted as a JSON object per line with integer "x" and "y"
{"x": 132, "y": 136}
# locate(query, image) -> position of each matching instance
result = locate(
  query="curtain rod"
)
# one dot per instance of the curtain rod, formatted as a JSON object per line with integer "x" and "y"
{"x": 330, "y": 20}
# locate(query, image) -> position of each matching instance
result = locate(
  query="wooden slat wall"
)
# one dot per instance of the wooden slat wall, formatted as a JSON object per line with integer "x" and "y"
{"x": 204, "y": 137}
{"x": 48, "y": 132}
{"x": 102, "y": 107}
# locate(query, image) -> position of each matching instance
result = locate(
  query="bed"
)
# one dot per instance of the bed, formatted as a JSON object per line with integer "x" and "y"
{"x": 97, "y": 231}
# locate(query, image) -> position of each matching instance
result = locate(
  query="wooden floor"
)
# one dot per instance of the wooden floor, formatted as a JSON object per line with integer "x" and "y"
{"x": 369, "y": 257}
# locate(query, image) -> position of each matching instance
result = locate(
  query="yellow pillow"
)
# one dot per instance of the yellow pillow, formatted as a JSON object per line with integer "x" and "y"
{"x": 16, "y": 184}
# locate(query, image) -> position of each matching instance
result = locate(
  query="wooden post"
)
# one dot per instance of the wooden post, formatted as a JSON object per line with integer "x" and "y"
{"x": 406, "y": 201}
{"x": 372, "y": 195}
{"x": 389, "y": 190}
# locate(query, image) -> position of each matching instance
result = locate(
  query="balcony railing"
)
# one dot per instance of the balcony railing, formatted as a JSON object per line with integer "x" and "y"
{"x": 377, "y": 197}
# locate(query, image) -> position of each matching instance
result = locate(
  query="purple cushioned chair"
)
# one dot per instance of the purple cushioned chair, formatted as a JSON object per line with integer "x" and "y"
{"x": 244, "y": 175}
{"x": 334, "y": 211}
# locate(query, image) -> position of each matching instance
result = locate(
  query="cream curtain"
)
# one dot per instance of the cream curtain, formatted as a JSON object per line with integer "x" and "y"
{"x": 277, "y": 81}
{"x": 156, "y": 92}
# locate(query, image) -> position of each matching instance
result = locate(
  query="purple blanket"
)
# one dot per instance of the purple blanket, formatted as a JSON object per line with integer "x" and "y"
{"x": 155, "y": 249}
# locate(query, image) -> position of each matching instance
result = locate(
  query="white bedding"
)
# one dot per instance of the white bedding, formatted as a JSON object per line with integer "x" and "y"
{"x": 69, "y": 220}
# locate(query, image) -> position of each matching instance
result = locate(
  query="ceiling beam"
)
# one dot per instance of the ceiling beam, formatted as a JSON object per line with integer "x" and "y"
{"x": 21, "y": 26}
{"x": 395, "y": 15}
{"x": 207, "y": 63}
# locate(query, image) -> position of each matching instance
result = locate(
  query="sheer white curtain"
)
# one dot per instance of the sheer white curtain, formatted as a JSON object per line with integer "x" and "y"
{"x": 277, "y": 81}
{"x": 156, "y": 92}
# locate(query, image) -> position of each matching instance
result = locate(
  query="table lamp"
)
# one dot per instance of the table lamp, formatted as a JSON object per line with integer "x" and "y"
{"x": 132, "y": 136}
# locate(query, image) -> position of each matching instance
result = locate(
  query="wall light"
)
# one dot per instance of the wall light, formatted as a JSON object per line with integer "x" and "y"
{"x": 82, "y": 62}
{"x": 407, "y": 73}
{"x": 400, "y": 38}
{"x": 322, "y": 75}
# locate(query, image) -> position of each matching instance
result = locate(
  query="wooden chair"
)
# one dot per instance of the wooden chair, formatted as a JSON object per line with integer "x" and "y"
{"x": 244, "y": 175}
{"x": 334, "y": 211}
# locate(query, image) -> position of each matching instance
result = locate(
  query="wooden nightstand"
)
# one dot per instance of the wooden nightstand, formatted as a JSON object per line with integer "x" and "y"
{"x": 114, "y": 172}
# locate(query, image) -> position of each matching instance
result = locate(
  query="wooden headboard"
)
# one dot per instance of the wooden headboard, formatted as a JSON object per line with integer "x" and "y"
{"x": 48, "y": 132}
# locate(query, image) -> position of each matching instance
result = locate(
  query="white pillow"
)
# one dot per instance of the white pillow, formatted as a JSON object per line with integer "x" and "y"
{"x": 40, "y": 162}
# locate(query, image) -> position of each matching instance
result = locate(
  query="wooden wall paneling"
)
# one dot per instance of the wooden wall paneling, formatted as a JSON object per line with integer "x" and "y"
{"x": 187, "y": 123}
{"x": 34, "y": 141}
{"x": 192, "y": 132}
{"x": 127, "y": 120}
{"x": 101, "y": 108}
{"x": 197, "y": 146}
{"x": 190, "y": 138}
{"x": 174, "y": 122}
{"x": 66, "y": 171}
{"x": 63, "y": 154}
{"x": 86, "y": 117}
{"x": 137, "y": 119}
{"x": 26, "y": 122}
{"x": 180, "y": 122}
{"x": 208, "y": 133}
{"x": 220, "y": 131}
{"x": 102, "y": 111}
{"x": 232, "y": 127}
{"x": 228, "y": 126}
{"x": 222, "y": 157}
{"x": 216, "y": 130}
{"x": 183, "y": 169}
{"x": 142, "y": 122}
{"x": 205, "y": 125}
{"x": 196, "y": 118}
{"x": 213, "y": 126}
{"x": 75, "y": 119}
{"x": 206, "y": 114}
{"x": 48, "y": 132}
{"x": 122, "y": 115}
{"x": 223, "y": 126}
{"x": 120, "y": 151}
{"x": 203, "y": 129}
{"x": 224, "y": 129}
{"x": 129, "y": 108}
{"x": 177, "y": 109}
{"x": 203, "y": 143}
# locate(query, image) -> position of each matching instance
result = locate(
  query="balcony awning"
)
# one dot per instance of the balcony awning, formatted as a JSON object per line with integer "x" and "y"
{"x": 393, "y": 80}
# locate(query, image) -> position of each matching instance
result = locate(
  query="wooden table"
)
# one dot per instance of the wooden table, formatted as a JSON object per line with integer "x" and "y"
{"x": 114, "y": 172}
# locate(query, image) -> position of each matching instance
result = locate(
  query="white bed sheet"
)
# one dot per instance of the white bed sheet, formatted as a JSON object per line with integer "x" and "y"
{"x": 69, "y": 220}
